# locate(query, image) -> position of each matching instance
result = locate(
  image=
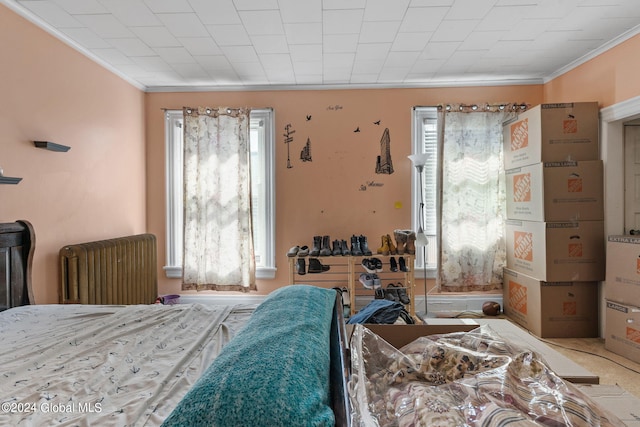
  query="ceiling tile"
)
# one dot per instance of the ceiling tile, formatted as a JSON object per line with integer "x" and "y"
{"x": 52, "y": 14}
{"x": 256, "y": 4}
{"x": 453, "y": 31}
{"x": 262, "y": 22}
{"x": 174, "y": 55}
{"x": 229, "y": 35}
{"x": 423, "y": 19}
{"x": 79, "y": 7}
{"x": 385, "y": 10}
{"x": 410, "y": 42}
{"x": 156, "y": 36}
{"x": 307, "y": 33}
{"x": 340, "y": 43}
{"x": 169, "y": 6}
{"x": 343, "y": 4}
{"x": 112, "y": 56}
{"x": 200, "y": 45}
{"x": 132, "y": 13}
{"x": 342, "y": 21}
{"x": 240, "y": 53}
{"x": 183, "y": 24}
{"x": 379, "y": 31}
{"x": 296, "y": 11}
{"x": 306, "y": 53}
{"x": 131, "y": 46}
{"x": 216, "y": 12}
{"x": 270, "y": 44}
{"x": 86, "y": 38}
{"x": 106, "y": 26}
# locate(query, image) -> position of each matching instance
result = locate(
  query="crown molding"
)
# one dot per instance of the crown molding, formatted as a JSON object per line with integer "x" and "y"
{"x": 29, "y": 16}
{"x": 597, "y": 52}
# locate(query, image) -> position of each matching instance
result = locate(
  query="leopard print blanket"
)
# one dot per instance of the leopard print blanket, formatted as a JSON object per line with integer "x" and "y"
{"x": 461, "y": 379}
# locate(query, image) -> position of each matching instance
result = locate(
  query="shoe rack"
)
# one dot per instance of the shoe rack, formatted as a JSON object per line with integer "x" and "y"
{"x": 349, "y": 268}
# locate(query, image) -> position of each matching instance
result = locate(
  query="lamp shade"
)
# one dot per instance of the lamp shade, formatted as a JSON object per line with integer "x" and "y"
{"x": 421, "y": 238}
{"x": 419, "y": 159}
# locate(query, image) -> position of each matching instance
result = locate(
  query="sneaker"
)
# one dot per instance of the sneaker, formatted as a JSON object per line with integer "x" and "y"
{"x": 376, "y": 281}
{"x": 379, "y": 293}
{"x": 366, "y": 280}
{"x": 369, "y": 265}
{"x": 377, "y": 264}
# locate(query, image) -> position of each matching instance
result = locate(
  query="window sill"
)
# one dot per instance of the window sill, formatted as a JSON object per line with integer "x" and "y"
{"x": 173, "y": 272}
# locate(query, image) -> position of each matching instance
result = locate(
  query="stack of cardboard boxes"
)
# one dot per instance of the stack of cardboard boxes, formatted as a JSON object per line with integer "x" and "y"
{"x": 555, "y": 228}
{"x": 622, "y": 295}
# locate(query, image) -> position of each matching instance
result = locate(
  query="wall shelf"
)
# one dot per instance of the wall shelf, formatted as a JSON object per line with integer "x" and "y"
{"x": 51, "y": 146}
{"x": 9, "y": 180}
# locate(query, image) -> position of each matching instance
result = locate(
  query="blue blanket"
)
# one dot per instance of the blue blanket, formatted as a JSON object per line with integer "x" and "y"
{"x": 274, "y": 372}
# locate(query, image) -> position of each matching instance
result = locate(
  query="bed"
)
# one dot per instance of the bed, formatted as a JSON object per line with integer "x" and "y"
{"x": 182, "y": 364}
{"x": 284, "y": 362}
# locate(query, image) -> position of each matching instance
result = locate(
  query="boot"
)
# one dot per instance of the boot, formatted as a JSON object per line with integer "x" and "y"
{"x": 401, "y": 240}
{"x": 355, "y": 246}
{"x": 384, "y": 248}
{"x": 364, "y": 246}
{"x": 315, "y": 266}
{"x": 411, "y": 242}
{"x": 325, "y": 249}
{"x": 301, "y": 266}
{"x": 337, "y": 250}
{"x": 315, "y": 250}
{"x": 392, "y": 248}
{"x": 344, "y": 248}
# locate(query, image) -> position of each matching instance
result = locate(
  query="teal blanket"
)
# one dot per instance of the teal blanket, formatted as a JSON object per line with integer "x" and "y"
{"x": 274, "y": 372}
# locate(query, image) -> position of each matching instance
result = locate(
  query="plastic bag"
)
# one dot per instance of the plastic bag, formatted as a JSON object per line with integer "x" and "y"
{"x": 461, "y": 379}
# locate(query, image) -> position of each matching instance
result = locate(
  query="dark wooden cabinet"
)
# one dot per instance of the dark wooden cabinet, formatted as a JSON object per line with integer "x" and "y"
{"x": 16, "y": 253}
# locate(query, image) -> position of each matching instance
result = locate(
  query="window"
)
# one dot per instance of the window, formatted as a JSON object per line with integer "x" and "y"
{"x": 425, "y": 140}
{"x": 262, "y": 187}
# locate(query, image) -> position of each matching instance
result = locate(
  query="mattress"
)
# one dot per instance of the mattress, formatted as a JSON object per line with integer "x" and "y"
{"x": 106, "y": 365}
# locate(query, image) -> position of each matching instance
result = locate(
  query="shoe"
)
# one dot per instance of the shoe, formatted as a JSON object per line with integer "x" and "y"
{"x": 410, "y": 248}
{"x": 392, "y": 248}
{"x": 402, "y": 294}
{"x": 379, "y": 294}
{"x": 315, "y": 266}
{"x": 304, "y": 251}
{"x": 391, "y": 293}
{"x": 355, "y": 246}
{"x": 315, "y": 250}
{"x": 384, "y": 247}
{"x": 401, "y": 240}
{"x": 366, "y": 280}
{"x": 377, "y": 264}
{"x": 301, "y": 267}
{"x": 369, "y": 264}
{"x": 364, "y": 246}
{"x": 403, "y": 265}
{"x": 344, "y": 248}
{"x": 293, "y": 251}
{"x": 376, "y": 281}
{"x": 393, "y": 264}
{"x": 337, "y": 249}
{"x": 325, "y": 248}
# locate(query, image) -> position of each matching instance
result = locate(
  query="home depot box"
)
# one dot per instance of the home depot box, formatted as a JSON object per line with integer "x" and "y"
{"x": 623, "y": 270}
{"x": 622, "y": 330}
{"x": 557, "y": 251}
{"x": 556, "y": 191}
{"x": 552, "y": 132}
{"x": 551, "y": 309}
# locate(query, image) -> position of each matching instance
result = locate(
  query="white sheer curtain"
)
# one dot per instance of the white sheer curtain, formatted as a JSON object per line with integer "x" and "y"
{"x": 218, "y": 242}
{"x": 472, "y": 202}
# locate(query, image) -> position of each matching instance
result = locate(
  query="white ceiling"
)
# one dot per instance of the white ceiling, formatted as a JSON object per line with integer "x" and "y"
{"x": 257, "y": 44}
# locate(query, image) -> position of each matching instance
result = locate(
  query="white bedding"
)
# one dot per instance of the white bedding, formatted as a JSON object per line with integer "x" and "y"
{"x": 106, "y": 365}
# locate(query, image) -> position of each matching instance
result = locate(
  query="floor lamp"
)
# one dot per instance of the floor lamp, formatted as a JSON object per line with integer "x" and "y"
{"x": 418, "y": 161}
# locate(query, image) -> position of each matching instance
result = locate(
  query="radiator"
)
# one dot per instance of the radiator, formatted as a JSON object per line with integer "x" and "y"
{"x": 114, "y": 271}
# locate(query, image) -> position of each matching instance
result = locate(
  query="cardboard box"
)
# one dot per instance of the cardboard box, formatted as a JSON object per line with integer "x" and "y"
{"x": 557, "y": 251}
{"x": 551, "y": 309}
{"x": 623, "y": 270}
{"x": 622, "y": 330}
{"x": 401, "y": 335}
{"x": 552, "y": 132}
{"x": 616, "y": 400}
{"x": 556, "y": 191}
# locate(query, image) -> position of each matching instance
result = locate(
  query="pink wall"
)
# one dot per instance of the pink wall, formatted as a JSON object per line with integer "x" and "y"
{"x": 49, "y": 91}
{"x": 609, "y": 78}
{"x": 322, "y": 197}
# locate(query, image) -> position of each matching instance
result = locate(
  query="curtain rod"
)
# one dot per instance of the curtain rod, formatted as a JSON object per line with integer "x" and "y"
{"x": 469, "y": 108}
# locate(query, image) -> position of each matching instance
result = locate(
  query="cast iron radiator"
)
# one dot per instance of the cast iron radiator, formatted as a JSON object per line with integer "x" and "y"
{"x": 114, "y": 271}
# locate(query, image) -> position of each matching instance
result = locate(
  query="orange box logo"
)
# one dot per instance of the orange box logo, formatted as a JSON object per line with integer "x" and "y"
{"x": 575, "y": 250}
{"x": 522, "y": 187}
{"x": 518, "y": 297}
{"x": 570, "y": 125}
{"x": 574, "y": 184}
{"x": 633, "y": 335}
{"x": 519, "y": 134}
{"x": 569, "y": 308}
{"x": 523, "y": 245}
